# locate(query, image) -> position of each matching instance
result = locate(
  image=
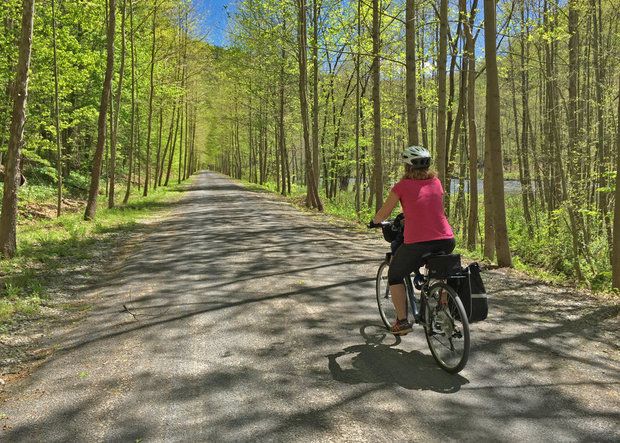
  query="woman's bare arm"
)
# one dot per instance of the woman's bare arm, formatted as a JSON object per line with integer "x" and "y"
{"x": 387, "y": 208}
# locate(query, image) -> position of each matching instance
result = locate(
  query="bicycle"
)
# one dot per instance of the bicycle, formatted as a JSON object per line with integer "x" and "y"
{"x": 438, "y": 310}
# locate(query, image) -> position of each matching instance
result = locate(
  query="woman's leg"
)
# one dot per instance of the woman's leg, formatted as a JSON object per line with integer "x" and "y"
{"x": 403, "y": 263}
{"x": 398, "y": 299}
{"x": 406, "y": 260}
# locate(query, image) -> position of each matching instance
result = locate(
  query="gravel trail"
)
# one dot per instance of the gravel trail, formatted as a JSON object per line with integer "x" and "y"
{"x": 240, "y": 318}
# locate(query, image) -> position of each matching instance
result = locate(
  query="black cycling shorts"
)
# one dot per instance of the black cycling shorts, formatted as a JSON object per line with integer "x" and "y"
{"x": 408, "y": 257}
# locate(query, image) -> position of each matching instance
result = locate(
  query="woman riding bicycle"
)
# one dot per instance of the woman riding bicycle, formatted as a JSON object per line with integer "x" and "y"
{"x": 426, "y": 227}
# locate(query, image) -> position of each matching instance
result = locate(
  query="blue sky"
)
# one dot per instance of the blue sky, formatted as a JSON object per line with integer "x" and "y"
{"x": 214, "y": 19}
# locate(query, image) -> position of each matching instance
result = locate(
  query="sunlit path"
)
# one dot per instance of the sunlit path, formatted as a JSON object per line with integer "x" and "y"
{"x": 251, "y": 321}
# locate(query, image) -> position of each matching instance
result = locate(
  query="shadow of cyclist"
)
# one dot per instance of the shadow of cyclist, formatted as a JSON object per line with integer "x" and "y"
{"x": 379, "y": 361}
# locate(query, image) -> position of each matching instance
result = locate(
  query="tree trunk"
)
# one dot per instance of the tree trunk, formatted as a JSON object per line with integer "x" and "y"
{"x": 441, "y": 148}
{"x": 149, "y": 126}
{"x": 470, "y": 48}
{"x": 316, "y": 11}
{"x": 281, "y": 131}
{"x": 57, "y": 114}
{"x": 502, "y": 246}
{"x": 357, "y": 111}
{"x": 173, "y": 146}
{"x": 527, "y": 138}
{"x": 412, "y": 93}
{"x": 312, "y": 197}
{"x": 601, "y": 154}
{"x": 188, "y": 141}
{"x": 159, "y": 177}
{"x": 573, "y": 131}
{"x": 116, "y": 112}
{"x": 487, "y": 188}
{"x": 12, "y": 175}
{"x": 133, "y": 104}
{"x": 376, "y": 105}
{"x": 183, "y": 111}
{"x": 615, "y": 267}
{"x": 91, "y": 206}
{"x": 159, "y": 145}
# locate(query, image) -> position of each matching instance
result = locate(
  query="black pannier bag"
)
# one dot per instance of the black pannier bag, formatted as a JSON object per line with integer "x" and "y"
{"x": 389, "y": 233}
{"x": 443, "y": 266}
{"x": 472, "y": 293}
{"x": 392, "y": 231}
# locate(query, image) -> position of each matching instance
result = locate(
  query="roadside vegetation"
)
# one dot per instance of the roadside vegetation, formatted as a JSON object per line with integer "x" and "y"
{"x": 48, "y": 244}
{"x": 100, "y": 120}
{"x": 540, "y": 255}
{"x": 327, "y": 94}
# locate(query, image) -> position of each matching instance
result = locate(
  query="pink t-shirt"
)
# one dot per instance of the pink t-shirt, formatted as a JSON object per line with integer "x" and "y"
{"x": 422, "y": 202}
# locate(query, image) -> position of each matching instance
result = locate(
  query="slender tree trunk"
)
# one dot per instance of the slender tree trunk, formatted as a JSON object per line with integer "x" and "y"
{"x": 527, "y": 137}
{"x": 316, "y": 11}
{"x": 601, "y": 155}
{"x": 188, "y": 141}
{"x": 573, "y": 131}
{"x": 470, "y": 48}
{"x": 281, "y": 130}
{"x": 615, "y": 267}
{"x": 174, "y": 145}
{"x": 139, "y": 146}
{"x": 376, "y": 104}
{"x": 167, "y": 147}
{"x": 520, "y": 142}
{"x": 412, "y": 93}
{"x": 57, "y": 114}
{"x": 357, "y": 112}
{"x": 183, "y": 106}
{"x": 421, "y": 102}
{"x": 116, "y": 109}
{"x": 159, "y": 145}
{"x": 133, "y": 104}
{"x": 502, "y": 246}
{"x": 192, "y": 141}
{"x": 312, "y": 197}
{"x": 441, "y": 147}
{"x": 12, "y": 174}
{"x": 149, "y": 126}
{"x": 91, "y": 206}
{"x": 181, "y": 140}
{"x": 487, "y": 188}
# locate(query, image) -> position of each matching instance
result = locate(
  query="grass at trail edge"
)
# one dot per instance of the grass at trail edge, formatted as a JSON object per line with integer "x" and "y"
{"x": 46, "y": 246}
{"x": 541, "y": 258}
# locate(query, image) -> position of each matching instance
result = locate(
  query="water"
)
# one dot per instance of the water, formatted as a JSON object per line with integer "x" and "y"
{"x": 511, "y": 187}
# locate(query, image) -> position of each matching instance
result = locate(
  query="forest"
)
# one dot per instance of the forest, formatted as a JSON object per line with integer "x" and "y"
{"x": 319, "y": 99}
{"x": 104, "y": 101}
{"x": 113, "y": 93}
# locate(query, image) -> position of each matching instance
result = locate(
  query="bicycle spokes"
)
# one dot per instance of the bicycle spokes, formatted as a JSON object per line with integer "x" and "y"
{"x": 447, "y": 329}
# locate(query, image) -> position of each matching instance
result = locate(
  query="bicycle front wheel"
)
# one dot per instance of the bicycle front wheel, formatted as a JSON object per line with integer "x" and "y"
{"x": 384, "y": 298}
{"x": 446, "y": 328}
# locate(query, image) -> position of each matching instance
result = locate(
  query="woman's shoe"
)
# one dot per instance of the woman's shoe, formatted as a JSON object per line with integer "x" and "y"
{"x": 401, "y": 327}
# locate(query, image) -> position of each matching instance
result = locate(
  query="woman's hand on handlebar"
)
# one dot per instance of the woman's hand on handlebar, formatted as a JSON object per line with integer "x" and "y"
{"x": 373, "y": 225}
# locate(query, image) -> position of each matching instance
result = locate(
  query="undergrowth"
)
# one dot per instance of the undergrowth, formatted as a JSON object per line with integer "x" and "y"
{"x": 46, "y": 245}
{"x": 544, "y": 253}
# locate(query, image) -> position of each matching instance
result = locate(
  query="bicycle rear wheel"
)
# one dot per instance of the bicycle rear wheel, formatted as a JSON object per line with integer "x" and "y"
{"x": 446, "y": 328}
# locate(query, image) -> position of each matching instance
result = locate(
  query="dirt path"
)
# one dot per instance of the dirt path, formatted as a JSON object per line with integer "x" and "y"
{"x": 240, "y": 318}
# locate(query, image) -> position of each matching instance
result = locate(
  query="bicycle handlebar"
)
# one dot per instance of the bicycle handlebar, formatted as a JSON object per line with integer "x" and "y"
{"x": 373, "y": 225}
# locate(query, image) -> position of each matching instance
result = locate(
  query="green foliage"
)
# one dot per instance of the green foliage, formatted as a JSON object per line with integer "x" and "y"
{"x": 77, "y": 181}
{"x": 46, "y": 246}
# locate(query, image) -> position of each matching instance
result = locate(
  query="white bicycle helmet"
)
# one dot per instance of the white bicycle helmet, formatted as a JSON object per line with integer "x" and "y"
{"x": 417, "y": 156}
